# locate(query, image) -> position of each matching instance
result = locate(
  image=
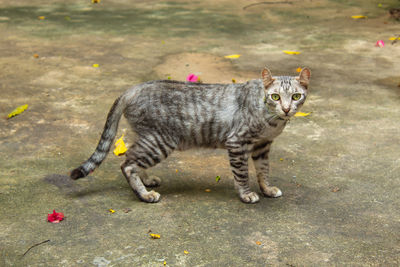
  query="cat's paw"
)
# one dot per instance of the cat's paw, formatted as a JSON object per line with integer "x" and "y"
{"x": 249, "y": 198}
{"x": 272, "y": 191}
{"x": 150, "y": 197}
{"x": 151, "y": 181}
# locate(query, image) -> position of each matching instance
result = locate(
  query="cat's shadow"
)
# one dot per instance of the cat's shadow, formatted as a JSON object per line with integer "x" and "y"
{"x": 75, "y": 189}
{"x": 72, "y": 188}
{"x": 62, "y": 182}
{"x": 171, "y": 188}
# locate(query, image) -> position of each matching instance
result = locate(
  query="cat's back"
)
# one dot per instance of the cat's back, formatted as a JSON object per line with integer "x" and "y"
{"x": 169, "y": 93}
{"x": 165, "y": 87}
{"x": 196, "y": 114}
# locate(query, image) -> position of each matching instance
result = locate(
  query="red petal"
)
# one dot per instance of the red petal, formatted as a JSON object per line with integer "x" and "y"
{"x": 55, "y": 217}
{"x": 50, "y": 217}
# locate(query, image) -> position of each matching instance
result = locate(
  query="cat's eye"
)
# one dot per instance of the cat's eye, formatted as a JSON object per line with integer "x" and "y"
{"x": 296, "y": 97}
{"x": 275, "y": 97}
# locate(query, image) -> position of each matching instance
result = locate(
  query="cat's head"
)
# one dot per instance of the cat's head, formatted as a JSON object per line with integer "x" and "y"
{"x": 284, "y": 95}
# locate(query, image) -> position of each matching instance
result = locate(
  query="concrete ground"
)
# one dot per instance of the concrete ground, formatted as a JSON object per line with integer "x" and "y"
{"x": 338, "y": 168}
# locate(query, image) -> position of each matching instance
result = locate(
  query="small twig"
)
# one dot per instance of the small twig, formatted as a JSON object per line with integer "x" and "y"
{"x": 35, "y": 246}
{"x": 395, "y": 39}
{"x": 267, "y": 3}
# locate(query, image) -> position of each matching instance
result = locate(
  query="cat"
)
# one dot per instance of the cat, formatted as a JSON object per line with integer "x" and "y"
{"x": 166, "y": 115}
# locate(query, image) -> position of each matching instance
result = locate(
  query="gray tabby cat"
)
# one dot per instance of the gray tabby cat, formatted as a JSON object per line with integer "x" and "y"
{"x": 167, "y": 115}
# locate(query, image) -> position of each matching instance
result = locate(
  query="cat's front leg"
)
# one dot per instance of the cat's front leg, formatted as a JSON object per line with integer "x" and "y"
{"x": 238, "y": 159}
{"x": 261, "y": 163}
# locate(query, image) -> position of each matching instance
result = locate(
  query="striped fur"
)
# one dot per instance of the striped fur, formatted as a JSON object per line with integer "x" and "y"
{"x": 171, "y": 115}
{"x": 102, "y": 149}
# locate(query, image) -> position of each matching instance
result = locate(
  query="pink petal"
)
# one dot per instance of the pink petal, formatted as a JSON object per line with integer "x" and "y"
{"x": 380, "y": 43}
{"x": 192, "y": 78}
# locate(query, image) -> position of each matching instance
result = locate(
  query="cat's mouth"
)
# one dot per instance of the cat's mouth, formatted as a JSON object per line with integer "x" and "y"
{"x": 285, "y": 117}
{"x": 280, "y": 117}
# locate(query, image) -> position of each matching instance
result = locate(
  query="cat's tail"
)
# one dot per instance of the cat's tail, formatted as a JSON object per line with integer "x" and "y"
{"x": 107, "y": 138}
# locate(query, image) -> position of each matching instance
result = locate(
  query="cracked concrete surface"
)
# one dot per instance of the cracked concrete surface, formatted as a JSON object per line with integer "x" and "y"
{"x": 338, "y": 168}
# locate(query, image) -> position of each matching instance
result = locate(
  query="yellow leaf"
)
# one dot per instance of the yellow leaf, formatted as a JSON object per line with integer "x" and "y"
{"x": 359, "y": 17}
{"x": 301, "y": 114}
{"x": 95, "y": 65}
{"x": 233, "y": 80}
{"x": 208, "y": 190}
{"x": 111, "y": 210}
{"x": 186, "y": 252}
{"x": 17, "y": 111}
{"x": 298, "y": 69}
{"x": 41, "y": 17}
{"x": 232, "y": 56}
{"x": 155, "y": 236}
{"x": 95, "y": 1}
{"x": 165, "y": 263}
{"x": 258, "y": 243}
{"x": 120, "y": 147}
{"x": 394, "y": 38}
{"x": 281, "y": 159}
{"x": 291, "y": 52}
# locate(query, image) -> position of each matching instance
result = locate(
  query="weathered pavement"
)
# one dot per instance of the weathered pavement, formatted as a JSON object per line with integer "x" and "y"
{"x": 339, "y": 171}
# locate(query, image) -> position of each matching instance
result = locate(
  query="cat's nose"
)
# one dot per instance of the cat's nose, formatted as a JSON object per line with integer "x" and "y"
{"x": 286, "y": 110}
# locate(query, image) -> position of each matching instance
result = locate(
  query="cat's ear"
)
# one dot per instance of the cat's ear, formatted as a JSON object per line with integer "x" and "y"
{"x": 267, "y": 77}
{"x": 304, "y": 77}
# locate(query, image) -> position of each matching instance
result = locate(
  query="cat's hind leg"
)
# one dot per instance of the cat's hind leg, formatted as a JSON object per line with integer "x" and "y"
{"x": 145, "y": 153}
{"x": 149, "y": 181}
{"x": 131, "y": 171}
{"x": 261, "y": 163}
